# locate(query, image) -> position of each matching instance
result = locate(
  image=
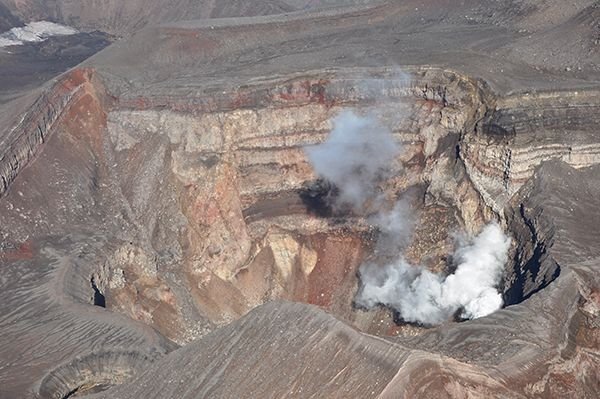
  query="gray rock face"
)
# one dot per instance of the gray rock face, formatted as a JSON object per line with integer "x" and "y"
{"x": 160, "y": 227}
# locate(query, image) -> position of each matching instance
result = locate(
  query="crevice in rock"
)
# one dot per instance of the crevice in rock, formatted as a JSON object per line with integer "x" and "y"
{"x": 533, "y": 267}
{"x": 522, "y": 289}
{"x": 98, "y": 298}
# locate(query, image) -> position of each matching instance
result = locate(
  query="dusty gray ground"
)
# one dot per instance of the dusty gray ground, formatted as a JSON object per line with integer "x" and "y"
{"x": 26, "y": 67}
{"x": 160, "y": 180}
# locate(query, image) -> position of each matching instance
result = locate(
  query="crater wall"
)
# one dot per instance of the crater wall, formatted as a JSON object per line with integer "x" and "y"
{"x": 194, "y": 205}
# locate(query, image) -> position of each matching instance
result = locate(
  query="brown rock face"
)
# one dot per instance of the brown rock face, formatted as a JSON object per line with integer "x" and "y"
{"x": 160, "y": 196}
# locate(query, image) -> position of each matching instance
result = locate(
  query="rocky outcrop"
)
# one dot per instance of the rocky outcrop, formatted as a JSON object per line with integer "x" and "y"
{"x": 524, "y": 131}
{"x": 21, "y": 142}
{"x": 238, "y": 164}
{"x": 7, "y": 20}
{"x": 51, "y": 260}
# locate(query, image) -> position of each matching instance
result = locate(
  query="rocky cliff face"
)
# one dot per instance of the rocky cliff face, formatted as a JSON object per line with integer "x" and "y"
{"x": 524, "y": 131}
{"x": 25, "y": 137}
{"x": 238, "y": 175}
{"x": 7, "y": 19}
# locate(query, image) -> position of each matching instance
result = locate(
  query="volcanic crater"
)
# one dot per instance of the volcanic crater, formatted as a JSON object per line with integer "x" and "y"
{"x": 216, "y": 211}
{"x": 235, "y": 224}
{"x": 168, "y": 226}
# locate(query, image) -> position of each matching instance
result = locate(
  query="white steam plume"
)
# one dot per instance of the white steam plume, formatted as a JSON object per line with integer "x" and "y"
{"x": 395, "y": 228}
{"x": 428, "y": 298}
{"x": 354, "y": 157}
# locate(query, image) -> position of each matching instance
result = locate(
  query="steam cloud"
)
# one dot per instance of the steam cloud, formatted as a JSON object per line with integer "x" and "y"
{"x": 355, "y": 157}
{"x": 419, "y": 295}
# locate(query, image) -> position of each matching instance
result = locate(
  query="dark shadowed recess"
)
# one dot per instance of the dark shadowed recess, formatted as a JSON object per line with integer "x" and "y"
{"x": 518, "y": 291}
{"x": 98, "y": 298}
{"x": 318, "y": 196}
{"x": 534, "y": 273}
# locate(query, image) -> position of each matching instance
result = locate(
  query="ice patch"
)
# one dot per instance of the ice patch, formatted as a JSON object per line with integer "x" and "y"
{"x": 34, "y": 32}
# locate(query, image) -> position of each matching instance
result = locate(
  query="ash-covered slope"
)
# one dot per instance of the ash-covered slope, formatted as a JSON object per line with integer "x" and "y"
{"x": 166, "y": 179}
{"x": 280, "y": 349}
{"x": 7, "y": 19}
{"x": 124, "y": 17}
{"x": 26, "y": 67}
{"x": 496, "y": 45}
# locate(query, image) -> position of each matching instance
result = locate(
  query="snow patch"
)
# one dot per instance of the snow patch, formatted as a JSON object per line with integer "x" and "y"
{"x": 34, "y": 32}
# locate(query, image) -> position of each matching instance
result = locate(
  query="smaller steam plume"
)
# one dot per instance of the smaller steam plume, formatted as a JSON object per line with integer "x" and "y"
{"x": 395, "y": 227}
{"x": 354, "y": 158}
